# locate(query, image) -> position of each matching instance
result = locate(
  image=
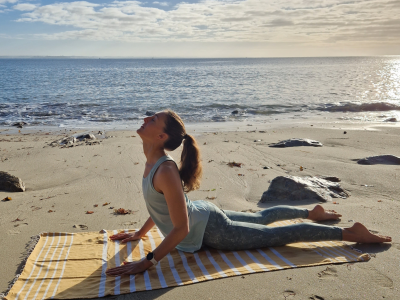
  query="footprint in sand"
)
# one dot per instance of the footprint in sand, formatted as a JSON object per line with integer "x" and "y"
{"x": 13, "y": 232}
{"x": 316, "y": 297}
{"x": 128, "y": 223}
{"x": 328, "y": 273}
{"x": 396, "y": 245}
{"x": 288, "y": 294}
{"x": 21, "y": 225}
{"x": 377, "y": 277}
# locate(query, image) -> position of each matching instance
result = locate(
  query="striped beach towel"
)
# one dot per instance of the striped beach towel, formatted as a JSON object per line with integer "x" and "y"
{"x": 72, "y": 265}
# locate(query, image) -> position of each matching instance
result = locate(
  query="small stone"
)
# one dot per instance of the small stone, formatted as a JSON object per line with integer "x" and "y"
{"x": 296, "y": 143}
{"x": 387, "y": 159}
{"x": 391, "y": 120}
{"x": 266, "y": 168}
{"x": 345, "y": 132}
{"x": 235, "y": 112}
{"x": 19, "y": 124}
{"x": 150, "y": 113}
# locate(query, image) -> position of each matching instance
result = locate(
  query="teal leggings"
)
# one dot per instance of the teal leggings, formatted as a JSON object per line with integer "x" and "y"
{"x": 231, "y": 230}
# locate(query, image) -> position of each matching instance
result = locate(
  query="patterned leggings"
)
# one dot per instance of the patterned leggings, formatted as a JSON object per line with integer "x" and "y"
{"x": 231, "y": 230}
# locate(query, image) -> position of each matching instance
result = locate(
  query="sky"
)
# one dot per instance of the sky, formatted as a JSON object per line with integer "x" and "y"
{"x": 206, "y": 28}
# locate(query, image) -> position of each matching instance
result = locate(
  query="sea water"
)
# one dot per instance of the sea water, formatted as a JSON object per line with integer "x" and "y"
{"x": 70, "y": 92}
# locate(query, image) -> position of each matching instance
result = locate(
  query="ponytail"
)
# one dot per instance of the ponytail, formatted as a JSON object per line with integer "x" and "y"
{"x": 190, "y": 169}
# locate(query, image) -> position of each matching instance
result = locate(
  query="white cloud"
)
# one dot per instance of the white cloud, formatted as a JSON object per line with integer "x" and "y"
{"x": 24, "y": 6}
{"x": 8, "y": 1}
{"x": 305, "y": 21}
{"x": 161, "y": 3}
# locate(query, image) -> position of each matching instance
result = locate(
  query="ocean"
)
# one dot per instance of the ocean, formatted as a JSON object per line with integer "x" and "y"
{"x": 70, "y": 92}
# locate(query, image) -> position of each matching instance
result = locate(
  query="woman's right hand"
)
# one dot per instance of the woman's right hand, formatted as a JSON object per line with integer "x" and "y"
{"x": 126, "y": 236}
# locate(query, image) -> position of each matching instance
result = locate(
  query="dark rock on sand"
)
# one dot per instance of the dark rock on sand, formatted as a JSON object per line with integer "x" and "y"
{"x": 296, "y": 143}
{"x": 150, "y": 113}
{"x": 19, "y": 124}
{"x": 11, "y": 183}
{"x": 380, "y": 160}
{"x": 330, "y": 178}
{"x": 87, "y": 136}
{"x": 391, "y": 120}
{"x": 283, "y": 188}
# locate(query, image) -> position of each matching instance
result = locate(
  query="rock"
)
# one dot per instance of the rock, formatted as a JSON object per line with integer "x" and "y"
{"x": 235, "y": 112}
{"x": 19, "y": 124}
{"x": 284, "y": 188}
{"x": 150, "y": 113}
{"x": 81, "y": 226}
{"x": 296, "y": 143}
{"x": 391, "y": 120}
{"x": 11, "y": 183}
{"x": 387, "y": 159}
{"x": 64, "y": 141}
{"x": 87, "y": 136}
{"x": 330, "y": 178}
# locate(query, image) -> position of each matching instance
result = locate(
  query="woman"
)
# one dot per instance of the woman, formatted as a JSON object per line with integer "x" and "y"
{"x": 188, "y": 225}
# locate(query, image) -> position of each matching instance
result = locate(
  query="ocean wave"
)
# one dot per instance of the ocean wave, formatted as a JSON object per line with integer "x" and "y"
{"x": 359, "y": 107}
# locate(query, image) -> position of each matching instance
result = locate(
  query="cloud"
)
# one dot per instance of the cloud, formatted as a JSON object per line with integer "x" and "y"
{"x": 24, "y": 6}
{"x": 161, "y": 3}
{"x": 8, "y": 1}
{"x": 305, "y": 21}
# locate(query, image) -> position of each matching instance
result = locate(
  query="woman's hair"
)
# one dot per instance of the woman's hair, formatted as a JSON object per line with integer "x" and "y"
{"x": 190, "y": 169}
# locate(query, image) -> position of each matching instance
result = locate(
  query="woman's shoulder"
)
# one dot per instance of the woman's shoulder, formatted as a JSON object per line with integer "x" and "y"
{"x": 167, "y": 169}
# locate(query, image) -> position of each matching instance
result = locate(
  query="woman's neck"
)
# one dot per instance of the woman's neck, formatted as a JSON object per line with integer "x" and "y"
{"x": 153, "y": 153}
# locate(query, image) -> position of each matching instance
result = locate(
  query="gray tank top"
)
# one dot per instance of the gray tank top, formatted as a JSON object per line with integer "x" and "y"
{"x": 198, "y": 212}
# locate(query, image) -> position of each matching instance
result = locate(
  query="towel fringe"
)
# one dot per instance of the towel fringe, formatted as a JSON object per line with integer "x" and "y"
{"x": 29, "y": 249}
{"x": 357, "y": 250}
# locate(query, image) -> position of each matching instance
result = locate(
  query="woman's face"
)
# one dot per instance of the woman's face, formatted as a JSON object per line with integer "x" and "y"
{"x": 153, "y": 127}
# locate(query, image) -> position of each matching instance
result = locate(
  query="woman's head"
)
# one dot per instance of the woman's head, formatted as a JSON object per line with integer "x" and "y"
{"x": 168, "y": 129}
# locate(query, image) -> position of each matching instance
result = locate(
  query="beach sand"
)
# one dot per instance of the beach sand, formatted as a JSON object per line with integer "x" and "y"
{"x": 70, "y": 181}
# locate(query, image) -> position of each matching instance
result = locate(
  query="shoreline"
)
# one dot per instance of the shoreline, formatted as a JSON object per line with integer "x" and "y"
{"x": 322, "y": 121}
{"x": 70, "y": 181}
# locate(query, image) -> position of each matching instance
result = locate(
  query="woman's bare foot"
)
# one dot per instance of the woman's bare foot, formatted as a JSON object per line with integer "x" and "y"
{"x": 318, "y": 213}
{"x": 360, "y": 234}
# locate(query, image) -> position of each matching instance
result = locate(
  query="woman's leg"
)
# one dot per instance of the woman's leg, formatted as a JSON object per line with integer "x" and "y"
{"x": 223, "y": 233}
{"x": 269, "y": 215}
{"x": 282, "y": 212}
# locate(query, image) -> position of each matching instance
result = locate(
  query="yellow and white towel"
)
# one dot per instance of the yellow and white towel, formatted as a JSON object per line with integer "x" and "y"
{"x": 72, "y": 265}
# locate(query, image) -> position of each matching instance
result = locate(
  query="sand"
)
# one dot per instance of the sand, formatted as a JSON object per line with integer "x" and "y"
{"x": 70, "y": 181}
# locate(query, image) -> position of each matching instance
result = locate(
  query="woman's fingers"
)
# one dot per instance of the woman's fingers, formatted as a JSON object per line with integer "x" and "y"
{"x": 120, "y": 236}
{"x": 132, "y": 238}
{"x": 126, "y": 269}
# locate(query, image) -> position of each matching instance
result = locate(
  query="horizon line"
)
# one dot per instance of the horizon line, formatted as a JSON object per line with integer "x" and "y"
{"x": 176, "y": 57}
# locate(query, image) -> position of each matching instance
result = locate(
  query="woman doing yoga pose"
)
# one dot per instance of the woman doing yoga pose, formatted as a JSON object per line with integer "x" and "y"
{"x": 189, "y": 225}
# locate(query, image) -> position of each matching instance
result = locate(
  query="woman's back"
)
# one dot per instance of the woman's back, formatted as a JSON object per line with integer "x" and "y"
{"x": 198, "y": 211}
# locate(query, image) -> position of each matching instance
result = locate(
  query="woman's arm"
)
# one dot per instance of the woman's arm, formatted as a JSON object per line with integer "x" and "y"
{"x": 168, "y": 181}
{"x": 132, "y": 236}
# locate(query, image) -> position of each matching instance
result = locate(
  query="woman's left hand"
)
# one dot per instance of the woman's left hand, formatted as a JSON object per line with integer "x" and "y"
{"x": 130, "y": 268}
